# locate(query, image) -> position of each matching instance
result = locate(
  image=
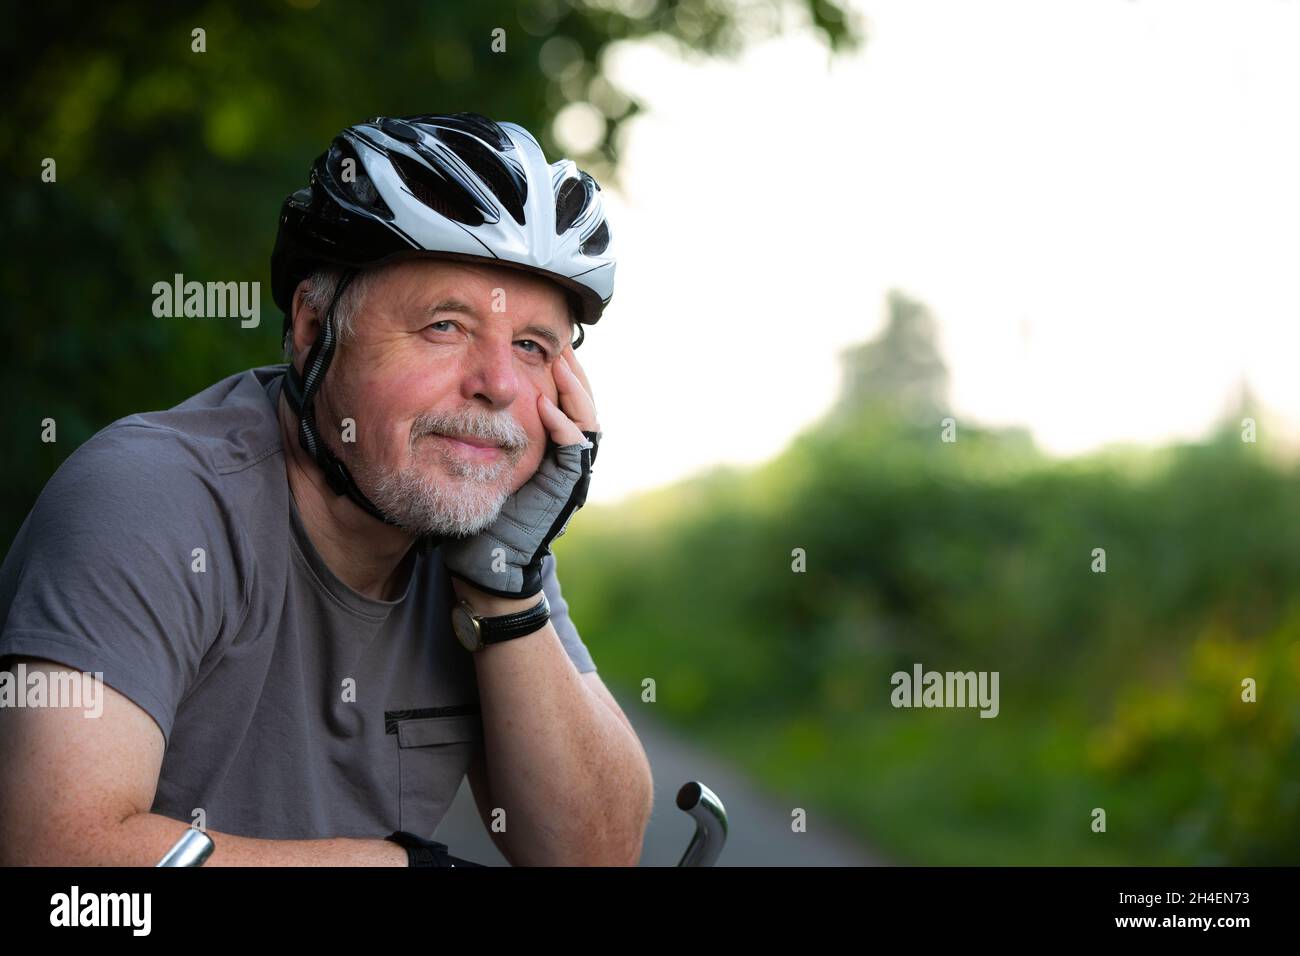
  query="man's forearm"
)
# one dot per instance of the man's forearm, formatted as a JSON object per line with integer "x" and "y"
{"x": 142, "y": 839}
{"x": 571, "y": 776}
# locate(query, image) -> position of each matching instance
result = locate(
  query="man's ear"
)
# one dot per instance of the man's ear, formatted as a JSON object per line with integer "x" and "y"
{"x": 306, "y": 321}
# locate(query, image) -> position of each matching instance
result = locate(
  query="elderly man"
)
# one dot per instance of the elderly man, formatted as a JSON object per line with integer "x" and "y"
{"x": 321, "y": 594}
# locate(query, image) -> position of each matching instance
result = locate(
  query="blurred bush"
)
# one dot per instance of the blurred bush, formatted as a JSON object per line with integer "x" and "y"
{"x": 1119, "y": 690}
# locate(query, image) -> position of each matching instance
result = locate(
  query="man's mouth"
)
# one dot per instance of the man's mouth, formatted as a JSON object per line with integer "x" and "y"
{"x": 469, "y": 440}
{"x": 467, "y": 446}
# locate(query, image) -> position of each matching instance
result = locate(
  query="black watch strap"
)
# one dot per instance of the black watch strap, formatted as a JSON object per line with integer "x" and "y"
{"x": 422, "y": 852}
{"x": 504, "y": 627}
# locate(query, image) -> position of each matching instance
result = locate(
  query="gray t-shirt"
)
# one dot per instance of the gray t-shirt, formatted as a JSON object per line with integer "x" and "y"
{"x": 292, "y": 706}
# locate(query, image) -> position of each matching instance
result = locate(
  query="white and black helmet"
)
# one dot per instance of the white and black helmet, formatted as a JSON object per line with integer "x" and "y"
{"x": 456, "y": 186}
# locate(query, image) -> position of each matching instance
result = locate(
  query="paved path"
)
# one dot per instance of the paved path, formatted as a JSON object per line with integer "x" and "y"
{"x": 759, "y": 828}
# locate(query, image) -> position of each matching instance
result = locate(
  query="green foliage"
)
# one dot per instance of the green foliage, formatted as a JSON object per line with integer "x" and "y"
{"x": 1119, "y": 690}
{"x": 1242, "y": 803}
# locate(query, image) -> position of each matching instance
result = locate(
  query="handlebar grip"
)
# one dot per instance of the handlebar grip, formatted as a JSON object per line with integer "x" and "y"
{"x": 192, "y": 849}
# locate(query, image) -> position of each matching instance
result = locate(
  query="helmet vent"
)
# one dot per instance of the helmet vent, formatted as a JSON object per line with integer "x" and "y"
{"x": 434, "y": 189}
{"x": 570, "y": 202}
{"x": 506, "y": 183}
{"x": 400, "y": 130}
{"x": 356, "y": 185}
{"x": 475, "y": 124}
{"x": 597, "y": 242}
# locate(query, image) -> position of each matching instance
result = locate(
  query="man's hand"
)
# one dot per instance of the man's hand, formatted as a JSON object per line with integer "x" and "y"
{"x": 575, "y": 398}
{"x": 539, "y": 512}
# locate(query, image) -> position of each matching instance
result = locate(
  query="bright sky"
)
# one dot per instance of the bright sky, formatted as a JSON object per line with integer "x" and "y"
{"x": 1099, "y": 200}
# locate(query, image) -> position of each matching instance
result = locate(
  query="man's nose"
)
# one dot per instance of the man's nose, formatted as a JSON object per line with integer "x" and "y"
{"x": 490, "y": 373}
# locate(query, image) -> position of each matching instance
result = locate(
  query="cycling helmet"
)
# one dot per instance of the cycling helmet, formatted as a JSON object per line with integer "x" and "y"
{"x": 452, "y": 186}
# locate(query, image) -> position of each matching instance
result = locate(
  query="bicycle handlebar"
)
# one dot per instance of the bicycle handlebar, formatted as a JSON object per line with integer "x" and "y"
{"x": 710, "y": 818}
{"x": 192, "y": 849}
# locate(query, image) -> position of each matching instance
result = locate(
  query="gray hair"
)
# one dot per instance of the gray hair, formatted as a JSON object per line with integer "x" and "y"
{"x": 320, "y": 293}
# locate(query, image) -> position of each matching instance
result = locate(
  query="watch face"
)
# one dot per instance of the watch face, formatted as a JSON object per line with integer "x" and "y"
{"x": 466, "y": 627}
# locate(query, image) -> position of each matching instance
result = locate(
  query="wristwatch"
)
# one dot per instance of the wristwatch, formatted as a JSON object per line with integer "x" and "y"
{"x": 476, "y": 632}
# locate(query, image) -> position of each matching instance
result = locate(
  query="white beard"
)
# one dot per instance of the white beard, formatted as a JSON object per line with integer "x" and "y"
{"x": 461, "y": 505}
{"x": 449, "y": 508}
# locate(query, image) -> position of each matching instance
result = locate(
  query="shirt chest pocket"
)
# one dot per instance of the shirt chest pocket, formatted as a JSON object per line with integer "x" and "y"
{"x": 433, "y": 755}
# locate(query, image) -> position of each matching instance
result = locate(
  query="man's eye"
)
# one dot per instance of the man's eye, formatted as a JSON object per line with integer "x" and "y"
{"x": 441, "y": 322}
{"x": 539, "y": 350}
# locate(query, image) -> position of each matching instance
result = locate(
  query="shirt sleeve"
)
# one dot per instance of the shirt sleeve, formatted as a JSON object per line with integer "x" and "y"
{"x": 121, "y": 567}
{"x": 564, "y": 625}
